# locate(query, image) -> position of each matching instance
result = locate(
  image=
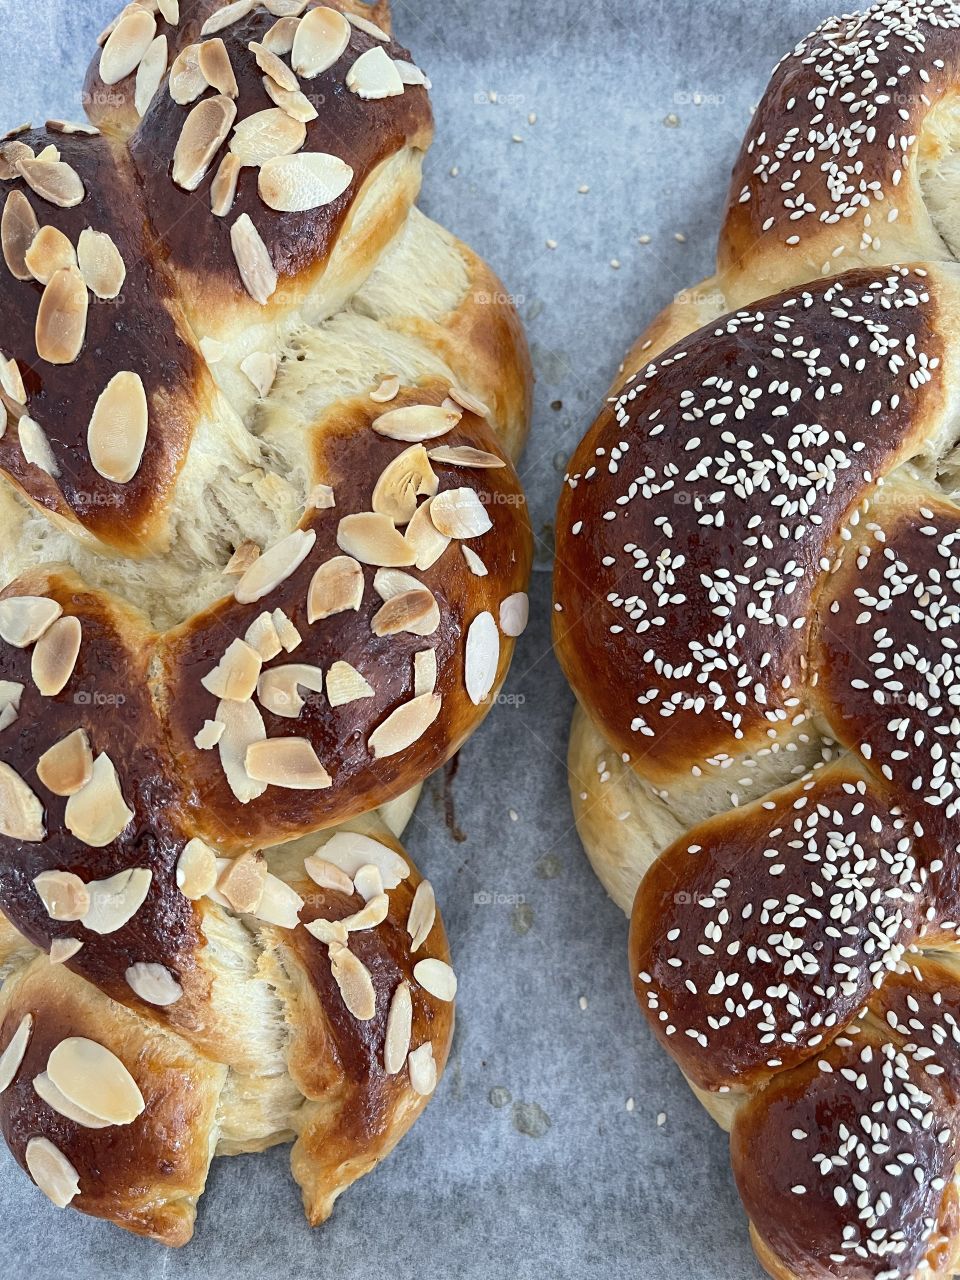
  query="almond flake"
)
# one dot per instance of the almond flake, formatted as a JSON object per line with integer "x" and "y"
{"x": 423, "y": 915}
{"x": 372, "y": 538}
{"x": 18, "y": 226}
{"x": 243, "y": 725}
{"x": 279, "y": 904}
{"x": 356, "y": 985}
{"x": 424, "y": 672}
{"x": 416, "y": 422}
{"x": 242, "y": 882}
{"x": 261, "y": 368}
{"x": 245, "y": 555}
{"x": 514, "y": 614}
{"x": 372, "y": 914}
{"x": 423, "y": 1070}
{"x": 63, "y": 949}
{"x": 119, "y": 424}
{"x": 436, "y": 977}
{"x": 345, "y": 684}
{"x": 11, "y": 380}
{"x": 126, "y": 45}
{"x": 36, "y": 447}
{"x": 204, "y": 132}
{"x": 464, "y": 456}
{"x": 279, "y": 688}
{"x": 49, "y": 252}
{"x": 196, "y": 869}
{"x": 115, "y": 901}
{"x": 371, "y": 28}
{"x": 212, "y": 350}
{"x": 55, "y": 656}
{"x": 253, "y": 260}
{"x": 416, "y": 612}
{"x": 236, "y": 674}
{"x": 469, "y": 402}
{"x": 153, "y": 983}
{"x": 349, "y": 850}
{"x": 150, "y": 73}
{"x": 329, "y": 932}
{"x": 223, "y": 189}
{"x": 320, "y": 498}
{"x": 97, "y": 813}
{"x": 24, "y": 619}
{"x": 227, "y": 16}
{"x": 209, "y": 735}
{"x": 321, "y": 40}
{"x": 63, "y": 894}
{"x": 71, "y": 127}
{"x": 262, "y": 636}
{"x": 288, "y": 634}
{"x": 216, "y": 67}
{"x": 408, "y": 476}
{"x": 11, "y": 155}
{"x": 374, "y": 76}
{"x": 474, "y": 563}
{"x": 292, "y": 101}
{"x": 3, "y": 419}
{"x": 399, "y": 1025}
{"x": 62, "y": 317}
{"x": 482, "y": 657}
{"x": 11, "y": 691}
{"x": 279, "y": 39}
{"x": 297, "y": 183}
{"x": 52, "y": 1171}
{"x": 404, "y": 726}
{"x": 368, "y": 882}
{"x": 265, "y": 135}
{"x": 394, "y": 582}
{"x": 57, "y": 183}
{"x": 101, "y": 263}
{"x": 326, "y": 875}
{"x": 170, "y": 10}
{"x": 336, "y": 587}
{"x": 459, "y": 513}
{"x": 285, "y": 8}
{"x": 187, "y": 81}
{"x": 275, "y": 566}
{"x": 386, "y": 391}
{"x": 67, "y": 766}
{"x": 94, "y": 1078}
{"x": 273, "y": 66}
{"x": 15, "y": 1051}
{"x": 411, "y": 74}
{"x": 21, "y": 813}
{"x": 287, "y": 762}
{"x": 45, "y": 1089}
{"x": 426, "y": 539}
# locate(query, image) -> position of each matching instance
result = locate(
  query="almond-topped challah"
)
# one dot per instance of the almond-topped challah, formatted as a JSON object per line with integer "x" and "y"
{"x": 265, "y": 555}
{"x": 758, "y": 606}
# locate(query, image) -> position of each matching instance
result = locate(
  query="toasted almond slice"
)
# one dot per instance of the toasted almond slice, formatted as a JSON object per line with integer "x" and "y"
{"x": 275, "y": 566}
{"x": 436, "y": 977}
{"x": 515, "y": 614}
{"x": 226, "y": 17}
{"x": 101, "y": 263}
{"x": 94, "y": 1078}
{"x": 71, "y": 127}
{"x": 279, "y": 688}
{"x": 296, "y": 183}
{"x": 373, "y": 913}
{"x": 321, "y": 498}
{"x": 209, "y": 735}
{"x": 15, "y": 1051}
{"x": 119, "y": 425}
{"x": 411, "y": 74}
{"x": 321, "y": 39}
{"x": 18, "y": 226}
{"x": 36, "y": 446}
{"x": 289, "y": 636}
{"x": 262, "y": 636}
{"x": 216, "y": 67}
{"x": 386, "y": 391}
{"x": 399, "y": 1025}
{"x": 279, "y": 39}
{"x": 212, "y": 350}
{"x": 474, "y": 563}
{"x": 482, "y": 657}
{"x": 424, "y": 672}
{"x": 63, "y": 894}
{"x": 245, "y": 555}
{"x": 423, "y": 915}
{"x": 11, "y": 155}
{"x": 68, "y": 765}
{"x": 50, "y": 153}
{"x": 285, "y": 8}
{"x": 345, "y": 684}
{"x": 115, "y": 901}
{"x": 404, "y": 726}
{"x": 242, "y": 882}
{"x": 223, "y": 189}
{"x": 273, "y": 66}
{"x": 196, "y": 869}
{"x": 368, "y": 882}
{"x": 52, "y": 1171}
{"x": 55, "y": 182}
{"x": 372, "y": 538}
{"x": 187, "y": 81}
{"x": 11, "y": 380}
{"x": 55, "y": 656}
{"x": 292, "y": 101}
{"x": 287, "y": 762}
{"x": 349, "y": 850}
{"x": 153, "y": 983}
{"x": 150, "y": 74}
{"x": 423, "y": 1070}
{"x": 62, "y": 949}
{"x": 170, "y": 10}
{"x": 459, "y": 513}
{"x": 466, "y": 401}
{"x": 417, "y": 422}
{"x": 24, "y": 619}
{"x": 353, "y": 978}
{"x": 371, "y": 28}
{"x": 414, "y": 611}
{"x": 374, "y": 75}
{"x": 428, "y": 542}
{"x": 265, "y": 135}
{"x": 279, "y": 905}
{"x": 49, "y": 252}
{"x": 236, "y": 674}
{"x": 9, "y": 714}
{"x": 62, "y": 317}
{"x": 329, "y": 932}
{"x": 464, "y": 456}
{"x": 126, "y": 45}
{"x": 408, "y": 476}
{"x": 326, "y": 875}
{"x": 335, "y": 587}
{"x": 97, "y": 813}
{"x": 11, "y": 691}
{"x": 261, "y": 368}
{"x": 257, "y": 271}
{"x": 394, "y": 582}
{"x": 46, "y": 1090}
{"x": 243, "y": 724}
{"x": 21, "y": 813}
{"x": 204, "y": 132}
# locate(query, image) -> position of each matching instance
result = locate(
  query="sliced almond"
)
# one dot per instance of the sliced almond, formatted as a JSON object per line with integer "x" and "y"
{"x": 423, "y": 915}
{"x": 279, "y": 904}
{"x": 204, "y": 132}
{"x": 11, "y": 691}
{"x": 287, "y": 762}
{"x": 256, "y": 269}
{"x": 408, "y": 476}
{"x": 209, "y": 735}
{"x": 464, "y": 456}
{"x": 399, "y": 1025}
{"x": 46, "y": 1090}
{"x": 3, "y": 419}
{"x": 353, "y": 978}
{"x": 170, "y": 10}
{"x": 416, "y": 422}
{"x": 469, "y": 402}
{"x": 55, "y": 182}
{"x": 297, "y": 183}
{"x": 320, "y": 41}
{"x": 372, "y": 538}
{"x": 423, "y": 1070}
{"x": 243, "y": 725}
{"x": 212, "y": 350}
{"x": 459, "y": 513}
{"x": 55, "y": 656}
{"x": 261, "y": 368}
{"x": 349, "y": 850}
{"x": 18, "y": 226}
{"x": 424, "y": 672}
{"x": 275, "y": 566}
{"x": 11, "y": 380}
{"x": 196, "y": 869}
{"x": 335, "y": 587}
{"x": 414, "y": 611}
{"x": 236, "y": 674}
{"x": 12, "y": 154}
{"x": 265, "y": 135}
{"x": 153, "y": 983}
{"x": 36, "y": 447}
{"x": 97, "y": 813}
{"x": 329, "y": 932}
{"x": 345, "y": 684}
{"x": 150, "y": 73}
{"x": 115, "y": 901}
{"x": 273, "y": 66}
{"x": 427, "y": 541}
{"x": 52, "y": 1171}
{"x": 119, "y": 425}
{"x": 482, "y": 659}
{"x": 223, "y": 189}
{"x": 436, "y": 977}
{"x": 373, "y": 913}
{"x": 126, "y": 45}
{"x": 279, "y": 688}
{"x": 474, "y": 563}
{"x": 63, "y": 949}
{"x": 279, "y": 39}
{"x": 101, "y": 263}
{"x": 68, "y": 765}
{"x": 62, "y": 317}
{"x": 226, "y": 17}
{"x": 21, "y": 813}
{"x": 187, "y": 81}
{"x": 386, "y": 391}
{"x": 371, "y": 28}
{"x": 245, "y": 555}
{"x": 374, "y": 75}
{"x": 71, "y": 127}
{"x": 49, "y": 152}
{"x": 24, "y": 619}
{"x": 321, "y": 498}
{"x": 394, "y": 582}
{"x": 411, "y": 74}
{"x": 49, "y": 252}
{"x": 63, "y": 894}
{"x": 94, "y": 1078}
{"x": 515, "y": 614}
{"x": 404, "y": 726}
{"x": 262, "y": 636}
{"x": 292, "y": 101}
{"x": 243, "y": 881}
{"x": 285, "y": 8}
{"x": 368, "y": 882}
{"x": 326, "y": 875}
{"x": 15, "y": 1051}
{"x": 290, "y": 637}
{"x": 216, "y": 67}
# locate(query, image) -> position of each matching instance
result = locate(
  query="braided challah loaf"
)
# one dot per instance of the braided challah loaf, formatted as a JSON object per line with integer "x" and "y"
{"x": 265, "y": 554}
{"x": 758, "y": 606}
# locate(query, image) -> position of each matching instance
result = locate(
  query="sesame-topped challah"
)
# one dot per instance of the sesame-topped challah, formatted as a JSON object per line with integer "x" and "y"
{"x": 265, "y": 554}
{"x": 758, "y": 605}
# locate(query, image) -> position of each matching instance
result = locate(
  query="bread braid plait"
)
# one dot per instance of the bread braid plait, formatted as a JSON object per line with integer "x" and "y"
{"x": 265, "y": 556}
{"x": 756, "y": 603}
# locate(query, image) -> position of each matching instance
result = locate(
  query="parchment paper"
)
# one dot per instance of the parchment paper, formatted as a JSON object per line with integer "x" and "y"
{"x": 529, "y": 1162}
